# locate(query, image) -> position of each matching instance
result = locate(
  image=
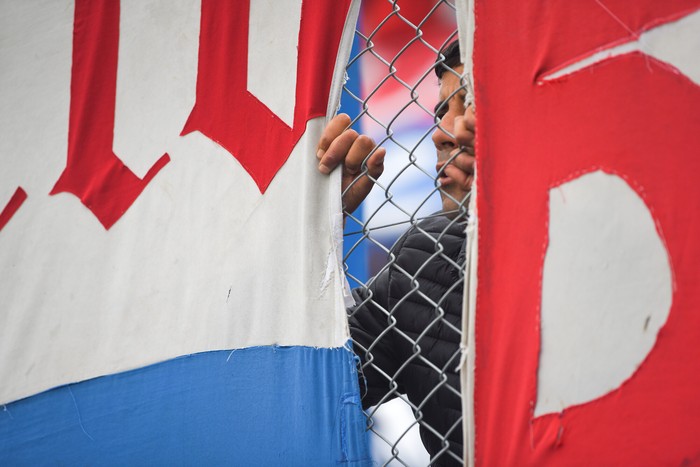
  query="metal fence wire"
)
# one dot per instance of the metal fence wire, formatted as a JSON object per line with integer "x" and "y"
{"x": 406, "y": 326}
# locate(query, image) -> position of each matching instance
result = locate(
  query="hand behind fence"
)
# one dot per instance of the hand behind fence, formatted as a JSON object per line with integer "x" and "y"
{"x": 362, "y": 160}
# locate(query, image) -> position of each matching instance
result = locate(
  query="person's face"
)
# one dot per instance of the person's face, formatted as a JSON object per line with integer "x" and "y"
{"x": 455, "y": 183}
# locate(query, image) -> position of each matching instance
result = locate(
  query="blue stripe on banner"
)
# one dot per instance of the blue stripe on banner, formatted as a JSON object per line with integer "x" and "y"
{"x": 275, "y": 406}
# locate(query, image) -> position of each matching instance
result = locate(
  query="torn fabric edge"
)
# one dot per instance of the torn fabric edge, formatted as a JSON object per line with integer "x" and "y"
{"x": 466, "y": 24}
{"x": 334, "y": 267}
{"x": 468, "y": 335}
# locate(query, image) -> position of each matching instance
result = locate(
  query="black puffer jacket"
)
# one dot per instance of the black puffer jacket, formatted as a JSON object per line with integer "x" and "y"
{"x": 407, "y": 327}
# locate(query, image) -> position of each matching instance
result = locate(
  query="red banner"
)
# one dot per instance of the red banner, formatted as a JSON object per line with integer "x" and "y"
{"x": 627, "y": 113}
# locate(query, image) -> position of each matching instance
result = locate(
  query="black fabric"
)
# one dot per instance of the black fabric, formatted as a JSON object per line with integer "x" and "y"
{"x": 406, "y": 328}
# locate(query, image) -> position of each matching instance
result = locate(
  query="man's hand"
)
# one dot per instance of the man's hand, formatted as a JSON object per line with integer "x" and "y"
{"x": 342, "y": 146}
{"x": 461, "y": 166}
{"x": 465, "y": 126}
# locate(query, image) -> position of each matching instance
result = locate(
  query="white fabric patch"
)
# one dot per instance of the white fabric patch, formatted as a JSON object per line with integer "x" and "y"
{"x": 162, "y": 90}
{"x": 606, "y": 290}
{"x": 272, "y": 55}
{"x": 676, "y": 43}
{"x": 34, "y": 94}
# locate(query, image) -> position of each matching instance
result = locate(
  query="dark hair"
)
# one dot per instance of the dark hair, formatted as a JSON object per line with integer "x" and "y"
{"x": 452, "y": 58}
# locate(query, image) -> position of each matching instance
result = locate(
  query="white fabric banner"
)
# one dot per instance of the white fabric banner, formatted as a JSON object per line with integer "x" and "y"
{"x": 202, "y": 260}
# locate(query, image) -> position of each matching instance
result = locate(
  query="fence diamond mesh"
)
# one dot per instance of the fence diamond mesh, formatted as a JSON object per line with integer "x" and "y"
{"x": 406, "y": 326}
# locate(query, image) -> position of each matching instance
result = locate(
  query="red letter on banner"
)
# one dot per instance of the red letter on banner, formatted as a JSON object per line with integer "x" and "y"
{"x": 12, "y": 206}
{"x": 230, "y": 115}
{"x": 93, "y": 172}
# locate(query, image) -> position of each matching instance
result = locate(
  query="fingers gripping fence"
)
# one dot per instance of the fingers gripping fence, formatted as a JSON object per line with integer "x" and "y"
{"x": 406, "y": 325}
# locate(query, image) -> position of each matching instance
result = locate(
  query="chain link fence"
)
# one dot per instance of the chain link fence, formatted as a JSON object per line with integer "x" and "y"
{"x": 404, "y": 253}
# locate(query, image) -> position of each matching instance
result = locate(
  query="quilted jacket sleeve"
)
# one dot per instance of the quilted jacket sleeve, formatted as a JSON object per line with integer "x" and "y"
{"x": 371, "y": 330}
